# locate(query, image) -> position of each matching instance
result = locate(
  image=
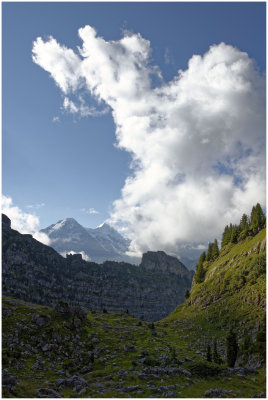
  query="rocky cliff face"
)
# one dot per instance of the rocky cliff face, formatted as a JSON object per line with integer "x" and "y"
{"x": 161, "y": 262}
{"x": 37, "y": 273}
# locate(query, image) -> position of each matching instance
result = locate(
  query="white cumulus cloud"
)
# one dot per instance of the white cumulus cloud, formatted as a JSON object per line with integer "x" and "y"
{"x": 23, "y": 222}
{"x": 197, "y": 142}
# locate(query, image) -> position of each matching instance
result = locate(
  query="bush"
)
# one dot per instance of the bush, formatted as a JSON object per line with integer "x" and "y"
{"x": 257, "y": 267}
{"x": 203, "y": 369}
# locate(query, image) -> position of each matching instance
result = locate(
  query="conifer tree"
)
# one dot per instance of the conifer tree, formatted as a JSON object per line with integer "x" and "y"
{"x": 209, "y": 253}
{"x": 244, "y": 225}
{"x": 200, "y": 272}
{"x": 260, "y": 216}
{"x": 215, "y": 249}
{"x": 187, "y": 294}
{"x": 234, "y": 234}
{"x": 231, "y": 348}
{"x": 226, "y": 236}
{"x": 216, "y": 357}
{"x": 253, "y": 218}
{"x": 208, "y": 355}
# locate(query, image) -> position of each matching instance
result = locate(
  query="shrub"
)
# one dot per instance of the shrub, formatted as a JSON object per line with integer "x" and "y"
{"x": 203, "y": 369}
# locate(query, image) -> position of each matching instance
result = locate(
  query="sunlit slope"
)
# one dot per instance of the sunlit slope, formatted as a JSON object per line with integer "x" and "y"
{"x": 232, "y": 293}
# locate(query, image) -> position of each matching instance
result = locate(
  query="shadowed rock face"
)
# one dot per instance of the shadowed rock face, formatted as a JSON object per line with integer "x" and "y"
{"x": 160, "y": 261}
{"x": 35, "y": 272}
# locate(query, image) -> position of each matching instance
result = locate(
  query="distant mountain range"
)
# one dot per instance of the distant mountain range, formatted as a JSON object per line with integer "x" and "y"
{"x": 35, "y": 272}
{"x": 98, "y": 245}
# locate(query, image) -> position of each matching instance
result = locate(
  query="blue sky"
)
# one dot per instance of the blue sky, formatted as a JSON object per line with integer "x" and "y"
{"x": 58, "y": 164}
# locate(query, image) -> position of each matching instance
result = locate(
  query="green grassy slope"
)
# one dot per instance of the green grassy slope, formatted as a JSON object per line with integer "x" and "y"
{"x": 234, "y": 289}
{"x": 118, "y": 355}
{"x": 233, "y": 294}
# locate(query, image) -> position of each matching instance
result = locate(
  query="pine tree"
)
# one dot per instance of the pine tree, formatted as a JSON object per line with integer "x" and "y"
{"x": 215, "y": 250}
{"x": 253, "y": 218}
{"x": 216, "y": 357}
{"x": 260, "y": 216}
{"x": 234, "y": 234}
{"x": 187, "y": 294}
{"x": 231, "y": 348}
{"x": 209, "y": 253}
{"x": 200, "y": 272}
{"x": 208, "y": 356}
{"x": 244, "y": 225}
{"x": 226, "y": 236}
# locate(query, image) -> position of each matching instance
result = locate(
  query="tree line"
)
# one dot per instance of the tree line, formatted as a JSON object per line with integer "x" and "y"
{"x": 248, "y": 225}
{"x": 232, "y": 233}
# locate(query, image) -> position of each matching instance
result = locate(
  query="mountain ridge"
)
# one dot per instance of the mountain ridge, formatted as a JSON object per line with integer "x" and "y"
{"x": 99, "y": 244}
{"x": 35, "y": 272}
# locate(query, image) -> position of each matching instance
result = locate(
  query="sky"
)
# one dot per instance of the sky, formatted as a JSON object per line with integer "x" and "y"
{"x": 150, "y": 116}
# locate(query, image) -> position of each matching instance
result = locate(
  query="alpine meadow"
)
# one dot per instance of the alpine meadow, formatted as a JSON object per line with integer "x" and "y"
{"x": 134, "y": 200}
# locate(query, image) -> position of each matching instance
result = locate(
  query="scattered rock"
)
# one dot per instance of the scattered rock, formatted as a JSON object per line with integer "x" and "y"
{"x": 216, "y": 393}
{"x": 41, "y": 320}
{"x": 261, "y": 395}
{"x": 129, "y": 348}
{"x": 9, "y": 381}
{"x": 63, "y": 309}
{"x": 46, "y": 392}
{"x": 75, "y": 382}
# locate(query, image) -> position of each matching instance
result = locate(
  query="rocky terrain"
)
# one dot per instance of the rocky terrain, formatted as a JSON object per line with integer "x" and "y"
{"x": 71, "y": 351}
{"x": 37, "y": 273}
{"x": 66, "y": 352}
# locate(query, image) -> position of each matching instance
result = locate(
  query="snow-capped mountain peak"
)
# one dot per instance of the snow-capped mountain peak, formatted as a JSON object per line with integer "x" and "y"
{"x": 100, "y": 244}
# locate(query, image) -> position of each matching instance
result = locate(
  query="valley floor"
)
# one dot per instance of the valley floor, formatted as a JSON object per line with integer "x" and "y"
{"x": 51, "y": 354}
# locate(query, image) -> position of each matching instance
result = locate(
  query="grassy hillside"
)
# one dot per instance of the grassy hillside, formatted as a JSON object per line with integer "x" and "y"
{"x": 232, "y": 295}
{"x": 67, "y": 352}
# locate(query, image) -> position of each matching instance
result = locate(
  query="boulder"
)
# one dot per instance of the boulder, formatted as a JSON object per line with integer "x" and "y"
{"x": 217, "y": 392}
{"x": 48, "y": 393}
{"x": 129, "y": 348}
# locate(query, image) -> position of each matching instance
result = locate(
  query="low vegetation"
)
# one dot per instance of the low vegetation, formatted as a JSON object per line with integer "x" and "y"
{"x": 212, "y": 345}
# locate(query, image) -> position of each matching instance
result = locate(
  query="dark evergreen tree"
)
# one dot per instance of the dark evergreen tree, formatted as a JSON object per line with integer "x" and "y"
{"x": 187, "y": 294}
{"x": 261, "y": 339}
{"x": 215, "y": 249}
{"x": 260, "y": 216}
{"x": 234, "y": 234}
{"x": 216, "y": 358}
{"x": 244, "y": 225}
{"x": 231, "y": 348}
{"x": 226, "y": 236}
{"x": 253, "y": 218}
{"x": 200, "y": 272}
{"x": 247, "y": 343}
{"x": 208, "y": 355}
{"x": 209, "y": 253}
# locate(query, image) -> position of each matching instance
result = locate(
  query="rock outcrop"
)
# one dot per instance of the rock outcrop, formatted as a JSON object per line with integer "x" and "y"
{"x": 161, "y": 262}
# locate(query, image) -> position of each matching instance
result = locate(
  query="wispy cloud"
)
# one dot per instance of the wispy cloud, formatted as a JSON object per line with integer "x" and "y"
{"x": 23, "y": 222}
{"x": 197, "y": 142}
{"x": 82, "y": 109}
{"x": 35, "y": 206}
{"x": 90, "y": 210}
{"x": 56, "y": 119}
{"x": 167, "y": 56}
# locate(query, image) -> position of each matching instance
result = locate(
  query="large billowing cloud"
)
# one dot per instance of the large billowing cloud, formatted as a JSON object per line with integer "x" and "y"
{"x": 23, "y": 222}
{"x": 197, "y": 142}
